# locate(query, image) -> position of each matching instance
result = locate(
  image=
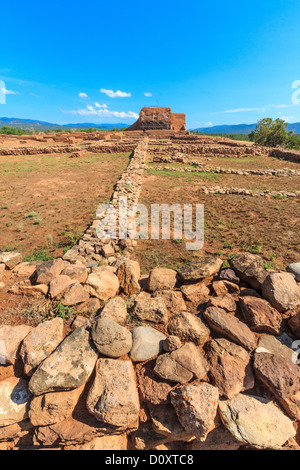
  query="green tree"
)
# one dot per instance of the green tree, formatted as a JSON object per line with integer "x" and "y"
{"x": 270, "y": 133}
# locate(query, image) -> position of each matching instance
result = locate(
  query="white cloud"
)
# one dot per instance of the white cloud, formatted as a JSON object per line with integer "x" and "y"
{"x": 83, "y": 95}
{"x": 100, "y": 105}
{"x": 241, "y": 110}
{"x": 115, "y": 94}
{"x": 9, "y": 92}
{"x": 92, "y": 111}
{"x": 148, "y": 94}
{"x": 287, "y": 118}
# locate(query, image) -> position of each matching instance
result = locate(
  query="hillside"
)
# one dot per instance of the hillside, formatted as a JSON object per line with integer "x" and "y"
{"x": 32, "y": 125}
{"x": 240, "y": 129}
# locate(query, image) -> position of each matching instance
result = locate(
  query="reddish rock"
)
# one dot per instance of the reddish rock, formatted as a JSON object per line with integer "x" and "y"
{"x": 11, "y": 258}
{"x": 228, "y": 325}
{"x": 150, "y": 309}
{"x": 226, "y": 302}
{"x": 260, "y": 316}
{"x": 294, "y": 324}
{"x": 249, "y": 268}
{"x": 104, "y": 284}
{"x": 47, "y": 271}
{"x": 77, "y": 272}
{"x": 59, "y": 285}
{"x": 75, "y": 294}
{"x": 199, "y": 269}
{"x": 161, "y": 278}
{"x": 188, "y": 327}
{"x": 152, "y": 389}
{"x": 173, "y": 300}
{"x": 282, "y": 378}
{"x": 195, "y": 292}
{"x": 11, "y": 338}
{"x": 129, "y": 274}
{"x": 196, "y": 407}
{"x": 230, "y": 368}
{"x": 53, "y": 407}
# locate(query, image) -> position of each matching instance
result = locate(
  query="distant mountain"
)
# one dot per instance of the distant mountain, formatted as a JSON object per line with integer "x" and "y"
{"x": 32, "y": 125}
{"x": 240, "y": 129}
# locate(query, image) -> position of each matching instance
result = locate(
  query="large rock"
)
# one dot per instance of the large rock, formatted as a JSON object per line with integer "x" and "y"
{"x": 75, "y": 294}
{"x": 111, "y": 442}
{"x": 198, "y": 292}
{"x": 152, "y": 388}
{"x": 113, "y": 397}
{"x": 230, "y": 368}
{"x": 294, "y": 324}
{"x": 260, "y": 316}
{"x": 218, "y": 439}
{"x": 11, "y": 338}
{"x": 249, "y": 268}
{"x": 68, "y": 367}
{"x": 282, "y": 291}
{"x": 129, "y": 275}
{"x": 189, "y": 328}
{"x": 161, "y": 278}
{"x": 146, "y": 343}
{"x": 25, "y": 269}
{"x": 294, "y": 268}
{"x": 173, "y": 300}
{"x": 40, "y": 343}
{"x": 282, "y": 378}
{"x": 196, "y": 407}
{"x": 226, "y": 302}
{"x": 230, "y": 326}
{"x": 151, "y": 309}
{"x": 59, "y": 285}
{"x": 256, "y": 421}
{"x": 103, "y": 285}
{"x": 115, "y": 309}
{"x": 110, "y": 338}
{"x": 182, "y": 365}
{"x": 53, "y": 408}
{"x": 273, "y": 345}
{"x": 47, "y": 271}
{"x": 14, "y": 401}
{"x": 199, "y": 269}
{"x": 165, "y": 422}
{"x": 11, "y": 258}
{"x": 77, "y": 272}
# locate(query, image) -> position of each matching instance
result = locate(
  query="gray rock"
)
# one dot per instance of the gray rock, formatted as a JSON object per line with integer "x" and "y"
{"x": 115, "y": 309}
{"x": 68, "y": 367}
{"x": 282, "y": 291}
{"x": 229, "y": 275}
{"x": 11, "y": 258}
{"x": 256, "y": 421}
{"x": 274, "y": 346}
{"x": 146, "y": 343}
{"x": 294, "y": 268}
{"x": 110, "y": 338}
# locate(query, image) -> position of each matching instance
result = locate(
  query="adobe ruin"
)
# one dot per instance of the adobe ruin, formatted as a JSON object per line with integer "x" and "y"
{"x": 159, "y": 118}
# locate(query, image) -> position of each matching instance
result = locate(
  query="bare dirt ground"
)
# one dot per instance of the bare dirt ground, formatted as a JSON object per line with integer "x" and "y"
{"x": 233, "y": 223}
{"x": 48, "y": 201}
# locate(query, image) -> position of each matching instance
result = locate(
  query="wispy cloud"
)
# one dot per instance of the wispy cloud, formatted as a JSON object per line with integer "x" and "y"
{"x": 9, "y": 92}
{"x": 115, "y": 94}
{"x": 83, "y": 95}
{"x": 262, "y": 109}
{"x": 148, "y": 94}
{"x": 96, "y": 111}
{"x": 100, "y": 105}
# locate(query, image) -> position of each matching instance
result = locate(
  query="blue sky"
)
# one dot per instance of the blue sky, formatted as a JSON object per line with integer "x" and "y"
{"x": 219, "y": 62}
